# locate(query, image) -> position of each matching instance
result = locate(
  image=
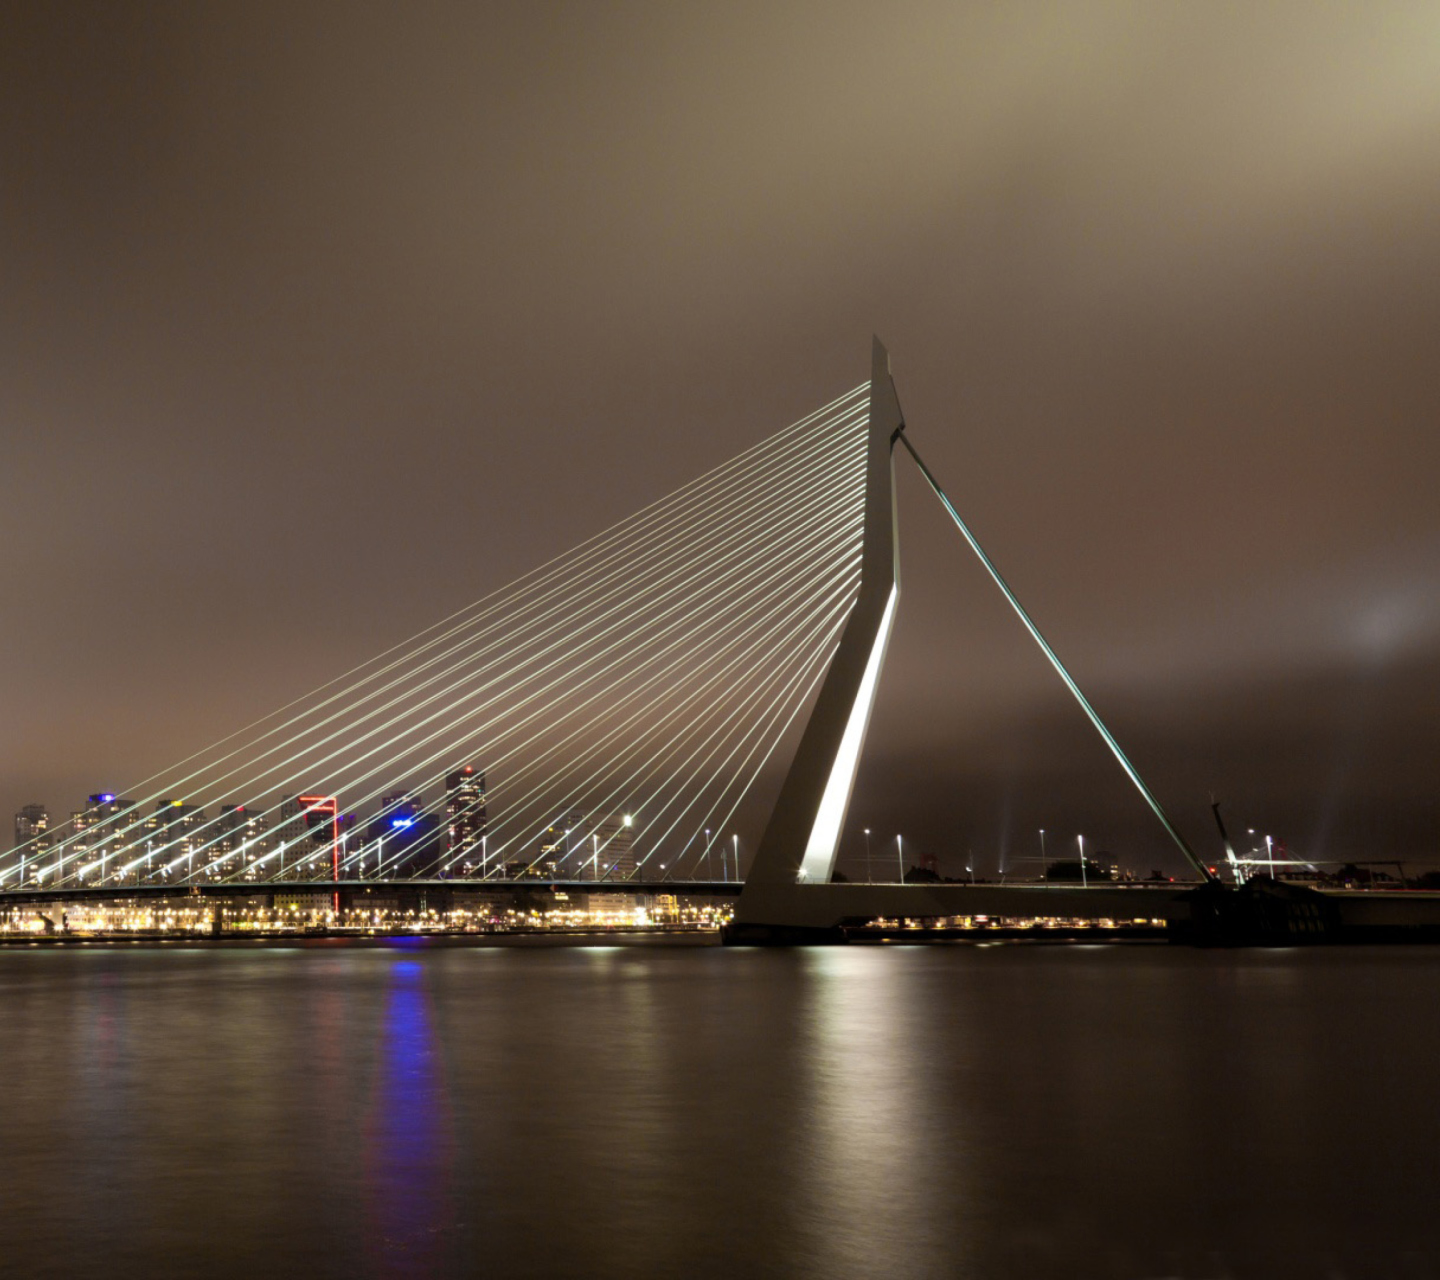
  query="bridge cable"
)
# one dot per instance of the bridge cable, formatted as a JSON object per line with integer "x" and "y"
{"x": 1130, "y": 771}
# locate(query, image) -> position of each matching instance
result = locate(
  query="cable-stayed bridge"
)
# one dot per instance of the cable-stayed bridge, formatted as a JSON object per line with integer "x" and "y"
{"x": 604, "y": 717}
{"x": 609, "y": 719}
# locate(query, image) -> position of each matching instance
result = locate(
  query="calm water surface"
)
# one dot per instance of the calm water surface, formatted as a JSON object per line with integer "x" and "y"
{"x": 335, "y": 1110}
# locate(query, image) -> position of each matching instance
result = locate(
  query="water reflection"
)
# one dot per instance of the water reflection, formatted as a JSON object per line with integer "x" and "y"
{"x": 873, "y": 1153}
{"x": 100, "y": 1120}
{"x": 1029, "y": 1112}
{"x": 410, "y": 1220}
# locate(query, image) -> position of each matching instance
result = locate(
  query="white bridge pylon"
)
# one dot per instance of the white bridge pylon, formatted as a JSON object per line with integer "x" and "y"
{"x": 803, "y": 836}
{"x": 788, "y": 890}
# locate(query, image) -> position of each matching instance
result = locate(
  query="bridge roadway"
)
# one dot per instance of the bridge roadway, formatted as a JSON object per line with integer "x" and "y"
{"x": 1259, "y": 912}
{"x": 824, "y": 904}
{"x": 353, "y": 891}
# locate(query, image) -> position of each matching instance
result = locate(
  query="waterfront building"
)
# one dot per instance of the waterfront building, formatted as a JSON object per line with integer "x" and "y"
{"x": 306, "y": 837}
{"x": 465, "y": 819}
{"x": 252, "y": 843}
{"x": 561, "y": 839}
{"x": 404, "y": 838}
{"x": 321, "y": 816}
{"x": 171, "y": 838}
{"x": 290, "y": 837}
{"x": 545, "y": 867}
{"x": 234, "y": 841}
{"x": 613, "y": 843}
{"x": 104, "y": 834}
{"x": 31, "y": 820}
{"x": 224, "y": 840}
{"x": 583, "y": 847}
{"x": 350, "y": 837}
{"x": 33, "y": 840}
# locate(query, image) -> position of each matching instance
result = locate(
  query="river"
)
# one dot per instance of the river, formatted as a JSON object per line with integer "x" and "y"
{"x": 425, "y": 1109}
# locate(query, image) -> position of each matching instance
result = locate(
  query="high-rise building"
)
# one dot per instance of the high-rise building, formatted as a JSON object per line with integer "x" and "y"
{"x": 173, "y": 837}
{"x": 290, "y": 837}
{"x": 614, "y": 847}
{"x": 401, "y": 805}
{"x": 33, "y": 841}
{"x": 465, "y": 820}
{"x": 306, "y": 837}
{"x": 563, "y": 850}
{"x": 104, "y": 835}
{"x": 403, "y": 839}
{"x": 230, "y": 841}
{"x": 584, "y": 847}
{"x": 351, "y": 838}
{"x": 322, "y": 821}
{"x": 32, "y": 820}
{"x": 247, "y": 831}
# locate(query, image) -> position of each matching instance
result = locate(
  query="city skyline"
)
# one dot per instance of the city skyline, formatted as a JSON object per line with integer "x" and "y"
{"x": 402, "y": 834}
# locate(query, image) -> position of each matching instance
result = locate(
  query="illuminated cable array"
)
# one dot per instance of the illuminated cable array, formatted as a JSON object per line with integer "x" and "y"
{"x": 642, "y": 679}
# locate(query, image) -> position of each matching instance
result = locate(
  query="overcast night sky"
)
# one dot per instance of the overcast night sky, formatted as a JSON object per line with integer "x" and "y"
{"x": 322, "y": 320}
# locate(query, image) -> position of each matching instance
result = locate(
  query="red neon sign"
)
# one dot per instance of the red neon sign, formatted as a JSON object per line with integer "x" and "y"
{"x": 327, "y": 805}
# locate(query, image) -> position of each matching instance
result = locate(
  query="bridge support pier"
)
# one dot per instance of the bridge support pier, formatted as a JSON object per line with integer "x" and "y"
{"x": 740, "y": 934}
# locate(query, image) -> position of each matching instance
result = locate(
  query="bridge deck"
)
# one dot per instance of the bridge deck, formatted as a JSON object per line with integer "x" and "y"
{"x": 223, "y": 891}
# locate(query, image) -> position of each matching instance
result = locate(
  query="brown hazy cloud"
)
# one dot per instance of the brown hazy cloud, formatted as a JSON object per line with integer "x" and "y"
{"x": 318, "y": 321}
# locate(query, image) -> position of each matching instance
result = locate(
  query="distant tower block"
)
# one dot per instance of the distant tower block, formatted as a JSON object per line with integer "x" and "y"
{"x": 33, "y": 839}
{"x": 465, "y": 818}
{"x": 616, "y": 846}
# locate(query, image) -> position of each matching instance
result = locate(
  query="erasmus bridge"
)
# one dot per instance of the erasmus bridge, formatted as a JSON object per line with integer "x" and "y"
{"x": 607, "y": 721}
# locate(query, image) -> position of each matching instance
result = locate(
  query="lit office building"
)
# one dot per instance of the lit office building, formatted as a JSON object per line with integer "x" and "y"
{"x": 103, "y": 838}
{"x": 404, "y": 839}
{"x": 350, "y": 836}
{"x": 233, "y": 841}
{"x": 306, "y": 840}
{"x": 172, "y": 837}
{"x": 614, "y": 848}
{"x": 32, "y": 821}
{"x": 562, "y": 850}
{"x": 290, "y": 836}
{"x": 465, "y": 820}
{"x": 33, "y": 841}
{"x": 251, "y": 845}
